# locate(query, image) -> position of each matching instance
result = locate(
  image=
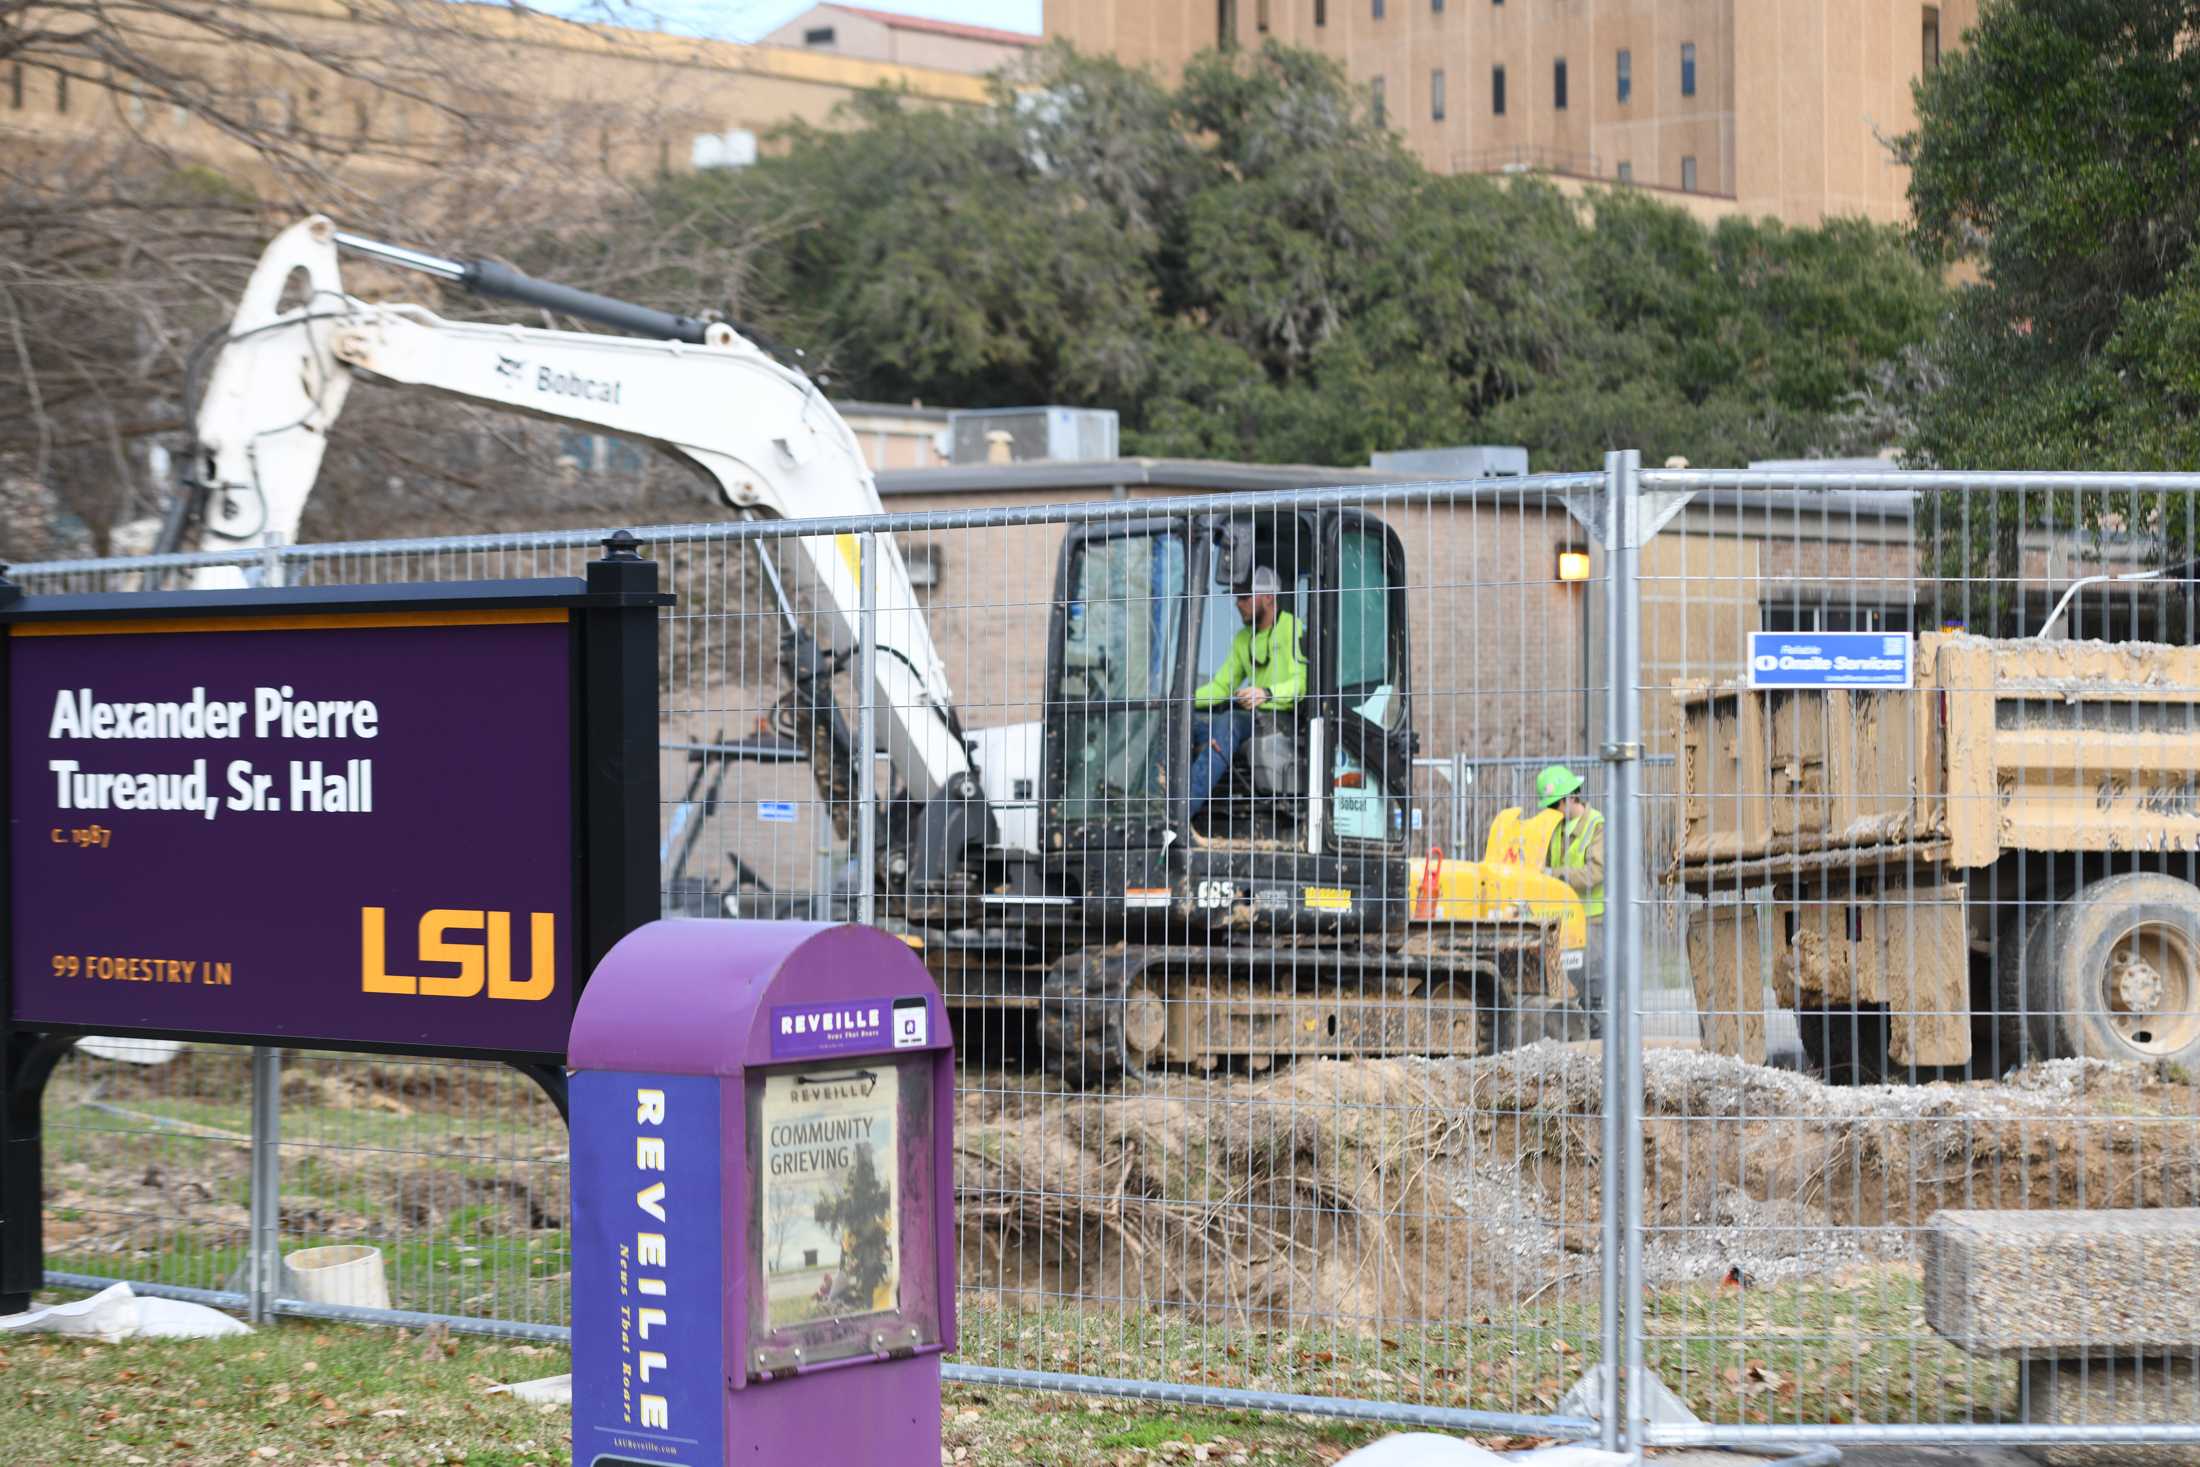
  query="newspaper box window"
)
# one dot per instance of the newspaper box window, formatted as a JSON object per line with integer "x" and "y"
{"x": 826, "y": 1196}
{"x": 762, "y": 1198}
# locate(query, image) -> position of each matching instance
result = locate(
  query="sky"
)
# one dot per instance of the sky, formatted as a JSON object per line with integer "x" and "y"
{"x": 745, "y": 20}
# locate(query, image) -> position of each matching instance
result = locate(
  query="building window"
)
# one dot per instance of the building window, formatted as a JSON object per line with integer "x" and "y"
{"x": 1558, "y": 84}
{"x": 1436, "y": 6}
{"x": 1321, "y": 12}
{"x": 15, "y": 87}
{"x": 1260, "y": 16}
{"x": 1436, "y": 94}
{"x": 1688, "y": 175}
{"x": 1626, "y": 173}
{"x": 924, "y": 564}
{"x": 1688, "y": 68}
{"x": 61, "y": 91}
{"x": 818, "y": 35}
{"x": 1932, "y": 36}
{"x": 1836, "y": 616}
{"x": 1626, "y": 75}
{"x": 1382, "y": 115}
{"x": 1225, "y": 25}
{"x": 1378, "y": 9}
{"x": 1497, "y": 90}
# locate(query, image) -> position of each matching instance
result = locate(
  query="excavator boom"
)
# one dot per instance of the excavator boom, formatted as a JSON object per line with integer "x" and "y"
{"x": 760, "y": 431}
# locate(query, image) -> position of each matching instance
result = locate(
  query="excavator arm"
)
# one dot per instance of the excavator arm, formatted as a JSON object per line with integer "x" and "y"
{"x": 699, "y": 391}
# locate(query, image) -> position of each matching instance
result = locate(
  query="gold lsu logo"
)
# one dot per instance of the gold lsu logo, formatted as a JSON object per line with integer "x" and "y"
{"x": 483, "y": 963}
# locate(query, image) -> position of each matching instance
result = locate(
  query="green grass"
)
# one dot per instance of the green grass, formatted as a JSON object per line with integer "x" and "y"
{"x": 324, "y": 1393}
{"x": 1857, "y": 1350}
{"x": 306, "y": 1392}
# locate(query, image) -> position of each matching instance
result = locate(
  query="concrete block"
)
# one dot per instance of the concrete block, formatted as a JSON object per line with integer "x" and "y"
{"x": 2105, "y": 1284}
{"x": 2163, "y": 1392}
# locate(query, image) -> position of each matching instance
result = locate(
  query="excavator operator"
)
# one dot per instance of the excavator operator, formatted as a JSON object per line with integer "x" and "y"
{"x": 1266, "y": 669}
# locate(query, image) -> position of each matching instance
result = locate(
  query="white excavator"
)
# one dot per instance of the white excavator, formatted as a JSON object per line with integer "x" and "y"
{"x": 1115, "y": 929}
{"x": 298, "y": 342}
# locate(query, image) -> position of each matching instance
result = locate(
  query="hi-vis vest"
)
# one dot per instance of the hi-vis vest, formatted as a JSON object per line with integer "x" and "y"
{"x": 1570, "y": 849}
{"x": 1273, "y": 660}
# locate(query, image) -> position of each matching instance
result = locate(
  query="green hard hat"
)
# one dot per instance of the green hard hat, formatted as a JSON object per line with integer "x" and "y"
{"x": 1555, "y": 783}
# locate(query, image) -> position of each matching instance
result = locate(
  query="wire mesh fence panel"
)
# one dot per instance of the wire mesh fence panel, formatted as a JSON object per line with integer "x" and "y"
{"x": 1236, "y": 833}
{"x": 430, "y": 1186}
{"x": 1226, "y": 1119}
{"x": 148, "y": 1162}
{"x": 1932, "y": 816}
{"x": 1227, "y": 1113}
{"x": 1276, "y": 1073}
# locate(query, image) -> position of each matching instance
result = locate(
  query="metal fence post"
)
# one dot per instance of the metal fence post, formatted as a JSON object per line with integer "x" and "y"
{"x": 1624, "y": 891}
{"x": 1617, "y": 481}
{"x": 264, "y": 1259}
{"x": 872, "y": 556}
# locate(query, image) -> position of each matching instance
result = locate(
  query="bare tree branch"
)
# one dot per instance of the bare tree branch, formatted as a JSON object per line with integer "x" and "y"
{"x": 193, "y": 130}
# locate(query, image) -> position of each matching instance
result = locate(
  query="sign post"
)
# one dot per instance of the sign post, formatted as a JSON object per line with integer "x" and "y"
{"x": 402, "y": 818}
{"x": 763, "y": 1199}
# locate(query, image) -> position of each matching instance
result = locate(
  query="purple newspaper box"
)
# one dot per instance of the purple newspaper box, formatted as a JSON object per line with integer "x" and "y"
{"x": 763, "y": 1199}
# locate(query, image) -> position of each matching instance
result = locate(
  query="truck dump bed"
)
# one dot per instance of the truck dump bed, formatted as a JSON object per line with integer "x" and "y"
{"x": 2002, "y": 746}
{"x": 1840, "y": 835}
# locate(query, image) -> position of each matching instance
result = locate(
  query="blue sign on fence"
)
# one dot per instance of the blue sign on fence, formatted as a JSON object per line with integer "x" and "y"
{"x": 778, "y": 811}
{"x": 1831, "y": 660}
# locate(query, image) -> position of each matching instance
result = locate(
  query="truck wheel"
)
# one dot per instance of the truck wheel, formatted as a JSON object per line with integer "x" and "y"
{"x": 2115, "y": 972}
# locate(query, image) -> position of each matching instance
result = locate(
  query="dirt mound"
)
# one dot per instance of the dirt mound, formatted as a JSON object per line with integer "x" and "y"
{"x": 1419, "y": 1189}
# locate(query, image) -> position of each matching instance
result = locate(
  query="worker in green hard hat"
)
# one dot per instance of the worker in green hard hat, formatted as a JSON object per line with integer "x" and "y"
{"x": 1576, "y": 857}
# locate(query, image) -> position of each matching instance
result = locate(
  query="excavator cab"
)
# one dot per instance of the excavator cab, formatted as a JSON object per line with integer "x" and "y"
{"x": 1299, "y": 817}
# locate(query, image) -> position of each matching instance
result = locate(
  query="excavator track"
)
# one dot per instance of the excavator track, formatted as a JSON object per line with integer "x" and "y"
{"x": 1129, "y": 1012}
{"x": 1082, "y": 1007}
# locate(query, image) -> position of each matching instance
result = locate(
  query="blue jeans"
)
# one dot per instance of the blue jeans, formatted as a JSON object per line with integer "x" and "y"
{"x": 1215, "y": 737}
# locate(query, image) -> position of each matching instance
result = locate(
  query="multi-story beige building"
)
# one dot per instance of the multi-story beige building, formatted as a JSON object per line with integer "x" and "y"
{"x": 372, "y": 97}
{"x": 1779, "y": 107}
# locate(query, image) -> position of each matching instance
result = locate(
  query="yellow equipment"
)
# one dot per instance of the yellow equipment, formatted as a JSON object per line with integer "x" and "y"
{"x": 1509, "y": 882}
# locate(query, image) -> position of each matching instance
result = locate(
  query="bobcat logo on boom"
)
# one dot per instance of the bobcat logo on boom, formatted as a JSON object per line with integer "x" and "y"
{"x": 483, "y": 963}
{"x": 511, "y": 369}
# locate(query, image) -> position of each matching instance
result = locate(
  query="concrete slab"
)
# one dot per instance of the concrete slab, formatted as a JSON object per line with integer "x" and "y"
{"x": 2077, "y": 1282}
{"x": 2090, "y": 1392}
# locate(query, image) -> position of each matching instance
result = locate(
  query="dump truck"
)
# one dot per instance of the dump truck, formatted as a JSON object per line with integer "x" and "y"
{"x": 1993, "y": 867}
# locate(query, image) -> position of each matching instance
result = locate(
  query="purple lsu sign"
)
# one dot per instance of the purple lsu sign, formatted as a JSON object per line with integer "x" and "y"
{"x": 352, "y": 827}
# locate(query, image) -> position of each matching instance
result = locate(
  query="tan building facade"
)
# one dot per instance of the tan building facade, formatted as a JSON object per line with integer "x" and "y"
{"x": 1758, "y": 107}
{"x": 905, "y": 40}
{"x": 368, "y": 101}
{"x": 894, "y": 436}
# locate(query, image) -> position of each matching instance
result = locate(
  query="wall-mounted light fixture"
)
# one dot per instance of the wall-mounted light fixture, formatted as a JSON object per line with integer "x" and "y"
{"x": 1573, "y": 563}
